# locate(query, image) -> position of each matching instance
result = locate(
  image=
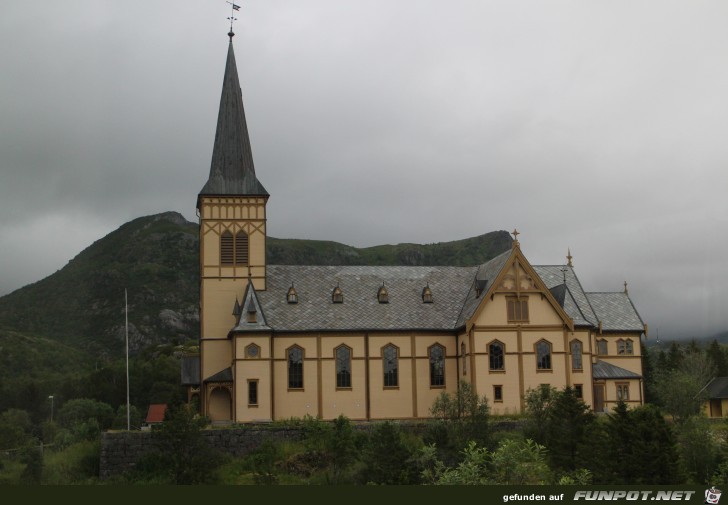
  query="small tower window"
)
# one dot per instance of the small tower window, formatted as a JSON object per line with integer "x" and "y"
{"x": 426, "y": 294}
{"x": 383, "y": 295}
{"x": 292, "y": 296}
{"x": 337, "y": 296}
{"x": 252, "y": 351}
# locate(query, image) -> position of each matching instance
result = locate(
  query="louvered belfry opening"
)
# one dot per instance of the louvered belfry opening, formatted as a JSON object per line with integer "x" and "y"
{"x": 241, "y": 248}
{"x": 226, "y": 248}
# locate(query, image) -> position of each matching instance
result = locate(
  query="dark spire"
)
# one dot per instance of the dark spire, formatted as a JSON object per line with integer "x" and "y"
{"x": 232, "y": 171}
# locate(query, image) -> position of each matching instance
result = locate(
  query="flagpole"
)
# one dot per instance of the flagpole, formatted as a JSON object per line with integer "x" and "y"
{"x": 126, "y": 316}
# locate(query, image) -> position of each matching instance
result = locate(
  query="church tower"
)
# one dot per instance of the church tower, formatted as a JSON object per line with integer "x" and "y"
{"x": 232, "y": 211}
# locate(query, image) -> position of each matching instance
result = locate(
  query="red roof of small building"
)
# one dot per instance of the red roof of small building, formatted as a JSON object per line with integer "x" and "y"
{"x": 156, "y": 412}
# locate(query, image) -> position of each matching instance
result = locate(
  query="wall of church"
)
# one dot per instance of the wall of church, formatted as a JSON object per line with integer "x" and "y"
{"x": 216, "y": 356}
{"x": 218, "y": 301}
{"x": 253, "y": 366}
{"x": 631, "y": 362}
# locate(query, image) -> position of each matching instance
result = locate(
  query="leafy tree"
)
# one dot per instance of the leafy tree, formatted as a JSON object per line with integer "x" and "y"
{"x": 674, "y": 356}
{"x": 648, "y": 374}
{"x": 513, "y": 462}
{"x": 699, "y": 449}
{"x": 81, "y": 410}
{"x": 33, "y": 459}
{"x": 465, "y": 414}
{"x": 681, "y": 390}
{"x": 15, "y": 428}
{"x": 538, "y": 403}
{"x": 717, "y": 357}
{"x": 341, "y": 448}
{"x": 185, "y": 456}
{"x": 387, "y": 458}
{"x": 520, "y": 463}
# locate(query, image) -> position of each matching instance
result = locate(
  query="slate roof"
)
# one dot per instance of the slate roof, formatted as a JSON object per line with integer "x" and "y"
{"x": 486, "y": 274}
{"x": 575, "y": 304}
{"x": 225, "y": 375}
{"x": 250, "y": 303}
{"x": 603, "y": 370}
{"x": 361, "y": 309}
{"x": 231, "y": 170}
{"x": 191, "y": 370}
{"x": 718, "y": 388}
{"x": 616, "y": 312}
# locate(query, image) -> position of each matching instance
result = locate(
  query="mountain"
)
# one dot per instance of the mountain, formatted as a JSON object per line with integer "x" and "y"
{"x": 155, "y": 258}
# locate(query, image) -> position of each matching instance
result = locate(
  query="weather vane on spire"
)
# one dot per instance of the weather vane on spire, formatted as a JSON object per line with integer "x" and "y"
{"x": 232, "y": 18}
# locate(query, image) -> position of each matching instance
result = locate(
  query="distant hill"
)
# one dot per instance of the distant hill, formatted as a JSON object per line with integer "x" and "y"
{"x": 156, "y": 258}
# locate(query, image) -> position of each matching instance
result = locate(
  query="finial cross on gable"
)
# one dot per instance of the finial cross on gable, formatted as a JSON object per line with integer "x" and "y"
{"x": 515, "y": 234}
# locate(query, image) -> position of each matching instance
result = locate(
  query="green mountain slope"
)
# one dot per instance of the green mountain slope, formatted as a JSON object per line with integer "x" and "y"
{"x": 156, "y": 259}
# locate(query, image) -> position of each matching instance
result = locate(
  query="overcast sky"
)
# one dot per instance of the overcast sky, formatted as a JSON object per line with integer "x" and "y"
{"x": 598, "y": 126}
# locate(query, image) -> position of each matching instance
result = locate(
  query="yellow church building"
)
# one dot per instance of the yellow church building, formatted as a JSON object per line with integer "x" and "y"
{"x": 382, "y": 342}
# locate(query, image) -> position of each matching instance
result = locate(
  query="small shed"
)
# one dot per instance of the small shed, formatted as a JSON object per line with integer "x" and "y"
{"x": 716, "y": 404}
{"x": 155, "y": 414}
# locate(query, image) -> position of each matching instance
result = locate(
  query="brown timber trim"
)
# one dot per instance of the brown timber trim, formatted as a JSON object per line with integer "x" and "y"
{"x": 413, "y": 351}
{"x": 567, "y": 360}
{"x": 526, "y": 326}
{"x": 272, "y": 380}
{"x": 366, "y": 377}
{"x": 521, "y": 379}
{"x": 471, "y": 350}
{"x": 319, "y": 372}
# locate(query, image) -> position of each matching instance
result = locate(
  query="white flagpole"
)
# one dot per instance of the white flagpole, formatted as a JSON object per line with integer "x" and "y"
{"x": 126, "y": 315}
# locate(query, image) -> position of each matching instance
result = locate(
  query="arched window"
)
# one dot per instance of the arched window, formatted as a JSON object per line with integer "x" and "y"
{"x": 462, "y": 357}
{"x": 343, "y": 366}
{"x": 576, "y": 363}
{"x": 295, "y": 368}
{"x": 602, "y": 347}
{"x": 241, "y": 248}
{"x": 543, "y": 355}
{"x": 629, "y": 346}
{"x": 496, "y": 354}
{"x": 437, "y": 365}
{"x": 226, "y": 248}
{"x": 390, "y": 361}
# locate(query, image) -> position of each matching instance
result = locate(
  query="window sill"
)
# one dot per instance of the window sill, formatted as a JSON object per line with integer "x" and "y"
{"x": 294, "y": 390}
{"x": 390, "y": 387}
{"x": 544, "y": 370}
{"x": 344, "y": 389}
{"x": 496, "y": 371}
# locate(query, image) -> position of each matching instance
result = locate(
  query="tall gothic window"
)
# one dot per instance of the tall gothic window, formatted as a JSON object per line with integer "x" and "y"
{"x": 343, "y": 367}
{"x": 295, "y": 368}
{"x": 437, "y": 365}
{"x": 543, "y": 355}
{"x": 602, "y": 347}
{"x": 496, "y": 356}
{"x": 390, "y": 365}
{"x": 576, "y": 363}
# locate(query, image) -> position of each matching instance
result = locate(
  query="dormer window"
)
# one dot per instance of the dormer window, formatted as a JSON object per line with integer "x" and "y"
{"x": 337, "y": 296}
{"x": 252, "y": 312}
{"x": 383, "y": 295}
{"x": 292, "y": 296}
{"x": 426, "y": 294}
